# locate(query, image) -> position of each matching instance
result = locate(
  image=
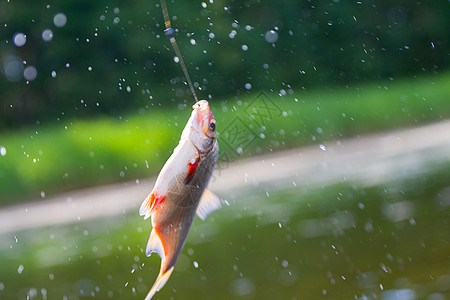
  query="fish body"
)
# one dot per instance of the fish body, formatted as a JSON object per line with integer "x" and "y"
{"x": 180, "y": 191}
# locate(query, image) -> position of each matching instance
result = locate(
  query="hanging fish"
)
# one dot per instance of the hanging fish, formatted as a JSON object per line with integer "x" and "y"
{"x": 180, "y": 193}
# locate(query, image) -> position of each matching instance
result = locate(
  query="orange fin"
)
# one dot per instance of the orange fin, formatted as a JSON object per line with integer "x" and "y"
{"x": 192, "y": 167}
{"x": 155, "y": 245}
{"x": 159, "y": 283}
{"x": 149, "y": 205}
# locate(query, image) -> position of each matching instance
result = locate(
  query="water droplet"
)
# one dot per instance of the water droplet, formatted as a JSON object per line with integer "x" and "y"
{"x": 248, "y": 86}
{"x": 2, "y": 151}
{"x": 42, "y": 194}
{"x": 19, "y": 39}
{"x": 244, "y": 47}
{"x": 193, "y": 42}
{"x": 195, "y": 264}
{"x": 30, "y": 73}
{"x": 176, "y": 59}
{"x": 60, "y": 20}
{"x": 243, "y": 287}
{"x": 47, "y": 35}
{"x": 322, "y": 147}
{"x": 53, "y": 74}
{"x": 20, "y": 269}
{"x": 271, "y": 36}
{"x": 13, "y": 67}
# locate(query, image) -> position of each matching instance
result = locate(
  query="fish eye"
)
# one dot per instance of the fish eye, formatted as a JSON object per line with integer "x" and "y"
{"x": 212, "y": 126}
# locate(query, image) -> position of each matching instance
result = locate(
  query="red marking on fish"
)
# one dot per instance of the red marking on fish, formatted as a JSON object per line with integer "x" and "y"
{"x": 192, "y": 169}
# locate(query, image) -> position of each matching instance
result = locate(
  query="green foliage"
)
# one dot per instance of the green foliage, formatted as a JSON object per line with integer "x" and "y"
{"x": 326, "y": 43}
{"x": 51, "y": 158}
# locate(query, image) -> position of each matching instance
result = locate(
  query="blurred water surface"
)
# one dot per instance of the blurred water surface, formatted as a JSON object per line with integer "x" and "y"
{"x": 344, "y": 241}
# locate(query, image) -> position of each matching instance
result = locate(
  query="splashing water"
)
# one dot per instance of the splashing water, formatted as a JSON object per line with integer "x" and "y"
{"x": 271, "y": 36}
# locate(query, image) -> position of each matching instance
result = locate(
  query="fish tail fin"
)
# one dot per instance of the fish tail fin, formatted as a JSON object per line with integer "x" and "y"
{"x": 159, "y": 283}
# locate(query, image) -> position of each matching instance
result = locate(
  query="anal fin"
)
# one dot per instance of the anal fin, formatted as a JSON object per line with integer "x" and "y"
{"x": 155, "y": 245}
{"x": 208, "y": 203}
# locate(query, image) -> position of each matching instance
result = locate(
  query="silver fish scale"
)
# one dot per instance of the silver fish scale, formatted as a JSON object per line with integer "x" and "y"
{"x": 174, "y": 216}
{"x": 188, "y": 195}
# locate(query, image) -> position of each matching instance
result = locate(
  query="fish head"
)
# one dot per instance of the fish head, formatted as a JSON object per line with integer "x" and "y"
{"x": 202, "y": 126}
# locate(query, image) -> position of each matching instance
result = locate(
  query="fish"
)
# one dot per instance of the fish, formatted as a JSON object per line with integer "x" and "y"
{"x": 180, "y": 191}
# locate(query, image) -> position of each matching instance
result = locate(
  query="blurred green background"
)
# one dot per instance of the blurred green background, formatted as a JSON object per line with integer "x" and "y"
{"x": 111, "y": 57}
{"x": 108, "y": 100}
{"x": 90, "y": 94}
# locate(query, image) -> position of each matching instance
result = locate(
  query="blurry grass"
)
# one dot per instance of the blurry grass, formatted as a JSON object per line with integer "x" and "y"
{"x": 49, "y": 158}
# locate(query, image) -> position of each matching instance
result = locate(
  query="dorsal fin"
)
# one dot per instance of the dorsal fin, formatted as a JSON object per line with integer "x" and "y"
{"x": 208, "y": 203}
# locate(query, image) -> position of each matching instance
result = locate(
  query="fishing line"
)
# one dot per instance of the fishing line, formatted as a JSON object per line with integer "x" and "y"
{"x": 170, "y": 33}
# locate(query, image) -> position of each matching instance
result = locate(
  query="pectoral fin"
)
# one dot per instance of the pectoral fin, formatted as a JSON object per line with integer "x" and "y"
{"x": 208, "y": 203}
{"x": 149, "y": 205}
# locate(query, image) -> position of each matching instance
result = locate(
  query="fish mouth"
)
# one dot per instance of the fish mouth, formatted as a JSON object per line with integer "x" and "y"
{"x": 203, "y": 110}
{"x": 202, "y": 104}
{"x": 204, "y": 115}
